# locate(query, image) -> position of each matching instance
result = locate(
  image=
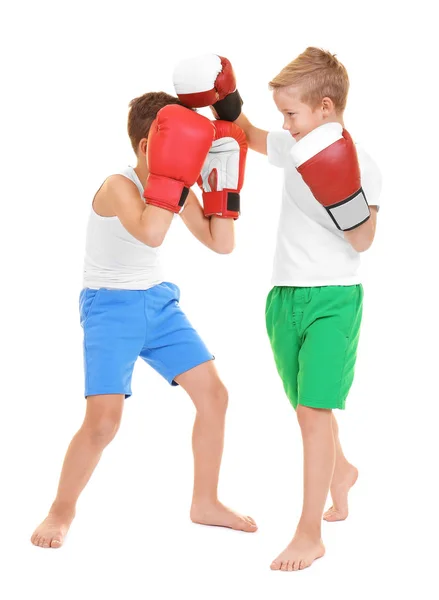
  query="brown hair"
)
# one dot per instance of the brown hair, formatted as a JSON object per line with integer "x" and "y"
{"x": 319, "y": 74}
{"x": 143, "y": 111}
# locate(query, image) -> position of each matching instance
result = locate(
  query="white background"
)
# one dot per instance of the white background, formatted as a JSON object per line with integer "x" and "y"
{"x": 69, "y": 70}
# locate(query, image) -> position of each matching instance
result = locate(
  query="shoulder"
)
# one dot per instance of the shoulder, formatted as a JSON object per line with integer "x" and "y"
{"x": 115, "y": 184}
{"x": 114, "y": 189}
{"x": 119, "y": 194}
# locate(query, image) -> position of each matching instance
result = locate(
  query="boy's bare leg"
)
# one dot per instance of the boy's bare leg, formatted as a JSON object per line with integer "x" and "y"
{"x": 210, "y": 398}
{"x": 345, "y": 475}
{"x": 101, "y": 422}
{"x": 319, "y": 460}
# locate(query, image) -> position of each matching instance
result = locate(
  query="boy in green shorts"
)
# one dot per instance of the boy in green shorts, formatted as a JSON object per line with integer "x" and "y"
{"x": 330, "y": 201}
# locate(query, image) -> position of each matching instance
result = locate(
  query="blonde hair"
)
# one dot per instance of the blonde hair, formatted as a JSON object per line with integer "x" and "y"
{"x": 319, "y": 74}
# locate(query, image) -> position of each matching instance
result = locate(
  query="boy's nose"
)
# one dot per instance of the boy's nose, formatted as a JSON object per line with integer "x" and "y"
{"x": 286, "y": 126}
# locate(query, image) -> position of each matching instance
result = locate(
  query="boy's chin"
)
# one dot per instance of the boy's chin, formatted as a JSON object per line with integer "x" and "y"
{"x": 301, "y": 135}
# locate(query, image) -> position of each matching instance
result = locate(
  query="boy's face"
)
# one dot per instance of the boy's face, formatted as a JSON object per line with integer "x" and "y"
{"x": 299, "y": 118}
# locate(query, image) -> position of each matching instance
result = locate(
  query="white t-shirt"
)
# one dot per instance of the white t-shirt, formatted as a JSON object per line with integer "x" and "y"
{"x": 114, "y": 258}
{"x": 310, "y": 250}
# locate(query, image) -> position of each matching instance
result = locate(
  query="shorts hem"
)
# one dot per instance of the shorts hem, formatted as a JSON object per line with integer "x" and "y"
{"x": 188, "y": 367}
{"x": 328, "y": 404}
{"x": 109, "y": 392}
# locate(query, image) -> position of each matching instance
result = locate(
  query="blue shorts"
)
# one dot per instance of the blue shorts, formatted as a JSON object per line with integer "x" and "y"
{"x": 121, "y": 325}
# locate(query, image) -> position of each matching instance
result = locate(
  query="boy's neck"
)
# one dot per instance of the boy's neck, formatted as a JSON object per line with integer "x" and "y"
{"x": 335, "y": 119}
{"x": 141, "y": 171}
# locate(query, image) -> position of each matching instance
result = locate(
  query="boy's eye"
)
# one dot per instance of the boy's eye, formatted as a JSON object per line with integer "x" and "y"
{"x": 291, "y": 114}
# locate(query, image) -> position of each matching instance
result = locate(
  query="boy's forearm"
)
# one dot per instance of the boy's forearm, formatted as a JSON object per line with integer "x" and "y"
{"x": 155, "y": 223}
{"x": 245, "y": 124}
{"x": 256, "y": 138}
{"x": 215, "y": 233}
{"x": 222, "y": 233}
{"x": 362, "y": 237}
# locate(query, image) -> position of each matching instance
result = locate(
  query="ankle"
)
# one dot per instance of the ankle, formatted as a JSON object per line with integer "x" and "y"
{"x": 63, "y": 509}
{"x": 309, "y": 529}
{"x": 201, "y": 500}
{"x": 343, "y": 467}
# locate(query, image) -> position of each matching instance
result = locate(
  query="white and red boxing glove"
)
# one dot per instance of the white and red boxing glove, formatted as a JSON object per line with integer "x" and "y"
{"x": 327, "y": 160}
{"x": 208, "y": 80}
{"x": 178, "y": 142}
{"x": 222, "y": 175}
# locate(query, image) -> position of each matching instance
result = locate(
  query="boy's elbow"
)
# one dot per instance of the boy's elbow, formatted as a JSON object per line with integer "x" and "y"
{"x": 155, "y": 243}
{"x": 362, "y": 245}
{"x": 224, "y": 247}
{"x": 361, "y": 238}
{"x": 153, "y": 239}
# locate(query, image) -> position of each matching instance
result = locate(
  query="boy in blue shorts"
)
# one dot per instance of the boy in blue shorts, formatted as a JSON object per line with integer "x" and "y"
{"x": 127, "y": 308}
{"x": 330, "y": 200}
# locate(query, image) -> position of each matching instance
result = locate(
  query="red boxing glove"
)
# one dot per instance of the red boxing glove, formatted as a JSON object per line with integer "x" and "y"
{"x": 222, "y": 175}
{"x": 327, "y": 160}
{"x": 178, "y": 142}
{"x": 208, "y": 80}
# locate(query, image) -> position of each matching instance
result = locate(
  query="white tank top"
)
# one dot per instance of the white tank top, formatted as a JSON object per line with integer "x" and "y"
{"x": 114, "y": 258}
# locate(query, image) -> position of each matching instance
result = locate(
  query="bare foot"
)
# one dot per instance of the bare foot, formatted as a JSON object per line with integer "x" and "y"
{"x": 53, "y": 530}
{"x": 299, "y": 554}
{"x": 219, "y": 515}
{"x": 341, "y": 483}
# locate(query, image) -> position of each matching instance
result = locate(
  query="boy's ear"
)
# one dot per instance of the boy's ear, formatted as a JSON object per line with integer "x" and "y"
{"x": 327, "y": 105}
{"x": 143, "y": 145}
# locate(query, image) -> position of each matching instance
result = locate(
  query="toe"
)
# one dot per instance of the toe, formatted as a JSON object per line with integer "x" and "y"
{"x": 296, "y": 565}
{"x": 330, "y": 515}
{"x": 335, "y": 515}
{"x": 275, "y": 565}
{"x": 248, "y": 524}
{"x": 56, "y": 543}
{"x": 252, "y": 521}
{"x": 284, "y": 566}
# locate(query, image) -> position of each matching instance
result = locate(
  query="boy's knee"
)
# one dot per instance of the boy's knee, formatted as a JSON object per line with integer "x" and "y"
{"x": 216, "y": 399}
{"x": 103, "y": 428}
{"x": 219, "y": 397}
{"x": 311, "y": 418}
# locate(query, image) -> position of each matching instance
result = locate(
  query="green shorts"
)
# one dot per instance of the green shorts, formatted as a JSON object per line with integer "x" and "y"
{"x": 314, "y": 334}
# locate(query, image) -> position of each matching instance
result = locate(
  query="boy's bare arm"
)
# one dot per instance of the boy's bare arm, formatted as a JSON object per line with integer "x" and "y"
{"x": 216, "y": 233}
{"x": 361, "y": 237}
{"x": 148, "y": 224}
{"x": 256, "y": 138}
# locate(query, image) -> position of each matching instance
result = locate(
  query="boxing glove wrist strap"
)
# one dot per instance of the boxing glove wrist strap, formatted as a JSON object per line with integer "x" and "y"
{"x": 214, "y": 203}
{"x": 165, "y": 192}
{"x": 229, "y": 108}
{"x": 350, "y": 213}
